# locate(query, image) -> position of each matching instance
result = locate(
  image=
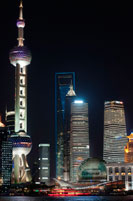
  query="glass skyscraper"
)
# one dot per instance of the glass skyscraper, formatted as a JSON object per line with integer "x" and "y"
{"x": 70, "y": 96}
{"x": 114, "y": 131}
{"x": 79, "y": 136}
{"x": 44, "y": 162}
{"x": 62, "y": 85}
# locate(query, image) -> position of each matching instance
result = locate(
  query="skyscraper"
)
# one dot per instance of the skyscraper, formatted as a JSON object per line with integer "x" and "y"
{"x": 70, "y": 96}
{"x": 5, "y": 156}
{"x": 62, "y": 84}
{"x": 44, "y": 163}
{"x": 114, "y": 131}
{"x": 79, "y": 136}
{"x": 20, "y": 57}
{"x": 129, "y": 149}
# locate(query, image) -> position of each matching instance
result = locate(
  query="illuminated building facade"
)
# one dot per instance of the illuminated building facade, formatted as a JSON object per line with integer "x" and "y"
{"x": 20, "y": 57}
{"x": 79, "y": 137}
{"x": 129, "y": 149}
{"x": 5, "y": 156}
{"x": 114, "y": 132}
{"x": 121, "y": 171}
{"x": 10, "y": 121}
{"x": 70, "y": 96}
{"x": 62, "y": 84}
{"x": 92, "y": 170}
{"x": 44, "y": 163}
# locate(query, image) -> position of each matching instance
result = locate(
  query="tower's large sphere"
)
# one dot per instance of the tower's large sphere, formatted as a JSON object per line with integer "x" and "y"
{"x": 20, "y": 55}
{"x": 21, "y": 143}
{"x": 92, "y": 169}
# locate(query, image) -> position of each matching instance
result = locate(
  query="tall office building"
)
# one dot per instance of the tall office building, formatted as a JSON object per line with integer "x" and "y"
{"x": 62, "y": 84}
{"x": 70, "y": 96}
{"x": 129, "y": 149}
{"x": 20, "y": 57}
{"x": 114, "y": 132}
{"x": 44, "y": 163}
{"x": 79, "y": 136}
{"x": 5, "y": 156}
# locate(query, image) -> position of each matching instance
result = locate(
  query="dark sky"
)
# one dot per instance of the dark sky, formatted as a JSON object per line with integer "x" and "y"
{"x": 96, "y": 42}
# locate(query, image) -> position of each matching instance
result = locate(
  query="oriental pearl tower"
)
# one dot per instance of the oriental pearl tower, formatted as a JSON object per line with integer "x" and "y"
{"x": 20, "y": 57}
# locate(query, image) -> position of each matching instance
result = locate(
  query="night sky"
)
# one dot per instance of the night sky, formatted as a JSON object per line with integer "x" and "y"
{"x": 95, "y": 42}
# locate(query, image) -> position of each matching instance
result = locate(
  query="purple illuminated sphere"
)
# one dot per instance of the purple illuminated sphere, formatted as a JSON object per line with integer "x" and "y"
{"x": 20, "y": 55}
{"x": 20, "y": 23}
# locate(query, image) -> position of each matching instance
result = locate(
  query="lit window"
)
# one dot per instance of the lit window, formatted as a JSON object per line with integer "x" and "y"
{"x": 21, "y": 70}
{"x": 21, "y": 125}
{"x": 21, "y": 92}
{"x": 44, "y": 177}
{"x": 45, "y": 168}
{"x": 21, "y": 81}
{"x": 21, "y": 103}
{"x": 21, "y": 113}
{"x": 44, "y": 158}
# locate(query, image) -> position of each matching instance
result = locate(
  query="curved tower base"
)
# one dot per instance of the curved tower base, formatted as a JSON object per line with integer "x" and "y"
{"x": 21, "y": 172}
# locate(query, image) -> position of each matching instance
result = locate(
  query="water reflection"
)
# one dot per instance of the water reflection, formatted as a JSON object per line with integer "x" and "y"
{"x": 86, "y": 198}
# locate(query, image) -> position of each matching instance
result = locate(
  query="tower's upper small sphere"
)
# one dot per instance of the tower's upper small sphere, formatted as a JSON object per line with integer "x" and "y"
{"x": 20, "y": 55}
{"x": 20, "y": 23}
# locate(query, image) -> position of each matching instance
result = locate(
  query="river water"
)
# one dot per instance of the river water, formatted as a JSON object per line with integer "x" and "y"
{"x": 79, "y": 198}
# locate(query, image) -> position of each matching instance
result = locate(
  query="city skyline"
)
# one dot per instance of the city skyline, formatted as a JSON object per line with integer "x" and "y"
{"x": 97, "y": 59}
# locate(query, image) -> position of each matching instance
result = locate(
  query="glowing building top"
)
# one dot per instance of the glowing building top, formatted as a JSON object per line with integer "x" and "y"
{"x": 129, "y": 149}
{"x": 71, "y": 92}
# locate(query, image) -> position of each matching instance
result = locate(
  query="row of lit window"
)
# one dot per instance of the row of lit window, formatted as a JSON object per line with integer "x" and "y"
{"x": 43, "y": 178}
{"x": 43, "y": 159}
{"x": 117, "y": 170}
{"x": 43, "y": 168}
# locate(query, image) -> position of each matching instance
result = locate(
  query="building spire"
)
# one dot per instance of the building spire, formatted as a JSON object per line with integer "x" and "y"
{"x": 20, "y": 25}
{"x": 71, "y": 92}
{"x": 21, "y": 10}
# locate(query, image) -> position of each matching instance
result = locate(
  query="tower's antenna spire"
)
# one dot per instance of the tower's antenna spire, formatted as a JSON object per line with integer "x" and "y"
{"x": 21, "y": 10}
{"x": 20, "y": 25}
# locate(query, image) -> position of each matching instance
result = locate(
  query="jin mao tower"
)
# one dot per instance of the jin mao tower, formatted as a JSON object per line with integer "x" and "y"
{"x": 79, "y": 137}
{"x": 20, "y": 58}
